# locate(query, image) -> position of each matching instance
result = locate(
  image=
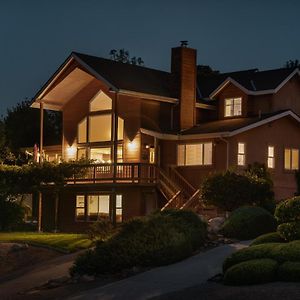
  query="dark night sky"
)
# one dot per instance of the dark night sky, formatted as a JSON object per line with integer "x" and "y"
{"x": 37, "y": 35}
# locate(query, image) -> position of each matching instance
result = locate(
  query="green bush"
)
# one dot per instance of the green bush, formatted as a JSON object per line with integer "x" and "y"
{"x": 251, "y": 272}
{"x": 248, "y": 222}
{"x": 159, "y": 239}
{"x": 281, "y": 252}
{"x": 230, "y": 190}
{"x": 288, "y": 210}
{"x": 289, "y": 271}
{"x": 267, "y": 238}
{"x": 101, "y": 229}
{"x": 289, "y": 231}
{"x": 11, "y": 213}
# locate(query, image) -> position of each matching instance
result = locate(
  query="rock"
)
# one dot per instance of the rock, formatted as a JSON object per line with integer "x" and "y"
{"x": 215, "y": 224}
{"x": 86, "y": 278}
{"x": 18, "y": 247}
{"x": 57, "y": 282}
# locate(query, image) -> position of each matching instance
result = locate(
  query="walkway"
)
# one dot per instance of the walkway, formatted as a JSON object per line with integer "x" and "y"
{"x": 190, "y": 272}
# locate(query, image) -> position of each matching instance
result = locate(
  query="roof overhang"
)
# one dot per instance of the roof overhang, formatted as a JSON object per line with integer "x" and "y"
{"x": 221, "y": 134}
{"x": 229, "y": 80}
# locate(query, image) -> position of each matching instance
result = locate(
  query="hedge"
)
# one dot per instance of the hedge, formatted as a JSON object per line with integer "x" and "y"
{"x": 289, "y": 231}
{"x": 289, "y": 271}
{"x": 267, "y": 238}
{"x": 288, "y": 210}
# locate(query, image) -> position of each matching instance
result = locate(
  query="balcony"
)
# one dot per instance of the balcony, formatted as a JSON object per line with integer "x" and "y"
{"x": 130, "y": 173}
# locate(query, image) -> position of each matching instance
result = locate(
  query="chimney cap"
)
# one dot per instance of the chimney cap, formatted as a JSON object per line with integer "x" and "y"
{"x": 184, "y": 44}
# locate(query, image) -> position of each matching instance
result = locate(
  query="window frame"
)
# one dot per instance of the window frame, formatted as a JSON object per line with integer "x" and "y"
{"x": 79, "y": 207}
{"x": 271, "y": 157}
{"x": 241, "y": 154}
{"x": 290, "y": 149}
{"x": 232, "y": 106}
{"x": 202, "y": 164}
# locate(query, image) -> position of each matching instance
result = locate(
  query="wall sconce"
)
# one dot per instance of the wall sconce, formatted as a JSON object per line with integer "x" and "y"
{"x": 71, "y": 151}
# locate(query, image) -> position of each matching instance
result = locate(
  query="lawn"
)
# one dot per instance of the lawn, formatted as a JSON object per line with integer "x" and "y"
{"x": 66, "y": 242}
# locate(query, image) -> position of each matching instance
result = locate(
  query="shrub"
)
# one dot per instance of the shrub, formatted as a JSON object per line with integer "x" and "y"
{"x": 281, "y": 252}
{"x": 289, "y": 271}
{"x": 288, "y": 210}
{"x": 101, "y": 229}
{"x": 11, "y": 213}
{"x": 159, "y": 239}
{"x": 267, "y": 238}
{"x": 230, "y": 190}
{"x": 248, "y": 222}
{"x": 289, "y": 231}
{"x": 251, "y": 272}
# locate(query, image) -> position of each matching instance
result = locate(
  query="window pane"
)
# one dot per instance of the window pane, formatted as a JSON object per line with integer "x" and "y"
{"x": 241, "y": 148}
{"x": 193, "y": 154}
{"x": 180, "y": 155}
{"x": 120, "y": 153}
{"x": 270, "y": 162}
{"x": 271, "y": 151}
{"x": 120, "y": 128}
{"x": 100, "y": 128}
{"x": 104, "y": 206}
{"x": 241, "y": 159}
{"x": 228, "y": 107}
{"x": 237, "y": 109}
{"x": 151, "y": 155}
{"x": 79, "y": 201}
{"x": 119, "y": 210}
{"x": 119, "y": 201}
{"x": 207, "y": 154}
{"x": 287, "y": 159}
{"x": 100, "y": 155}
{"x": 80, "y": 215}
{"x": 100, "y": 102}
{"x": 93, "y": 207}
{"x": 295, "y": 159}
{"x": 81, "y": 153}
{"x": 80, "y": 208}
{"x": 82, "y": 131}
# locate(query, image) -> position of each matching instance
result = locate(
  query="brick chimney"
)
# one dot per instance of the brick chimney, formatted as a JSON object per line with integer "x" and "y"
{"x": 184, "y": 76}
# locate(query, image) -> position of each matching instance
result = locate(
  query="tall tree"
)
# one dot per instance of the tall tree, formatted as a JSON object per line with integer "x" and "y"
{"x": 22, "y": 126}
{"x": 291, "y": 64}
{"x": 122, "y": 55}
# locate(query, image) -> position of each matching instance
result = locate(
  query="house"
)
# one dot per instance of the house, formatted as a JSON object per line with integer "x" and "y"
{"x": 154, "y": 135}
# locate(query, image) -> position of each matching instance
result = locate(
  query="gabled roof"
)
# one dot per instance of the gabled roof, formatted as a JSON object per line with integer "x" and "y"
{"x": 251, "y": 82}
{"x": 225, "y": 128}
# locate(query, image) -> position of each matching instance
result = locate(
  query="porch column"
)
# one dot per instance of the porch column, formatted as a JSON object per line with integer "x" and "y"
{"x": 41, "y": 161}
{"x": 115, "y": 135}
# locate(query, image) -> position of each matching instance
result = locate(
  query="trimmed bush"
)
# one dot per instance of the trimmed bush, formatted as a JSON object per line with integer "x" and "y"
{"x": 249, "y": 222}
{"x": 267, "y": 238}
{"x": 251, "y": 272}
{"x": 289, "y": 271}
{"x": 289, "y": 231}
{"x": 288, "y": 210}
{"x": 281, "y": 252}
{"x": 159, "y": 239}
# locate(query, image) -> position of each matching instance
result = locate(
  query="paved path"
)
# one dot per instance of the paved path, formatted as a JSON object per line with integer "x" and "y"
{"x": 37, "y": 276}
{"x": 190, "y": 272}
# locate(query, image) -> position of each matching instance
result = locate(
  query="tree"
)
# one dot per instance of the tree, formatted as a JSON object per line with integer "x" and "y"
{"x": 22, "y": 126}
{"x": 122, "y": 55}
{"x": 291, "y": 64}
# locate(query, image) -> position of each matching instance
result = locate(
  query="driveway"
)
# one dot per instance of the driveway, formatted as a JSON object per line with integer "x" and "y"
{"x": 190, "y": 272}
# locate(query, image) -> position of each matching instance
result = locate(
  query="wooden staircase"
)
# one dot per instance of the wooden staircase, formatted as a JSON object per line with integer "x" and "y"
{"x": 178, "y": 192}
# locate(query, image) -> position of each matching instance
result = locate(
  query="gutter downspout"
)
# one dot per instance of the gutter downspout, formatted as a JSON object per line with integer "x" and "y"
{"x": 227, "y": 151}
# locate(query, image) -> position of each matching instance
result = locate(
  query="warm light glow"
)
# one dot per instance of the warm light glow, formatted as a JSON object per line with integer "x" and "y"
{"x": 132, "y": 145}
{"x": 71, "y": 151}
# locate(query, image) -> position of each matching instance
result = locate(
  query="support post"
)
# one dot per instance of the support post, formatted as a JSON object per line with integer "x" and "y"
{"x": 115, "y": 135}
{"x": 40, "y": 161}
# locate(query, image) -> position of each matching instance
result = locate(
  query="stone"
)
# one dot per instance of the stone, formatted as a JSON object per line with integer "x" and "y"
{"x": 215, "y": 224}
{"x": 18, "y": 247}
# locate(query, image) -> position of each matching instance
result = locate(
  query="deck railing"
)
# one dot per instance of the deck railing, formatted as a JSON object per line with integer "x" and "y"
{"x": 118, "y": 173}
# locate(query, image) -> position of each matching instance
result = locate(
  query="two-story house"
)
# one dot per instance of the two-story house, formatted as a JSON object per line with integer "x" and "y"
{"x": 154, "y": 135}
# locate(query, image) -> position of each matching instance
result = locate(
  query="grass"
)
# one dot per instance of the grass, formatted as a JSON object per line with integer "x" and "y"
{"x": 64, "y": 242}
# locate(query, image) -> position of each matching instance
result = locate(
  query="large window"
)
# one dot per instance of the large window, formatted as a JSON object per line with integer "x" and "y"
{"x": 241, "y": 157}
{"x": 233, "y": 107}
{"x": 99, "y": 128}
{"x": 98, "y": 206}
{"x": 291, "y": 159}
{"x": 194, "y": 154}
{"x": 101, "y": 155}
{"x": 271, "y": 157}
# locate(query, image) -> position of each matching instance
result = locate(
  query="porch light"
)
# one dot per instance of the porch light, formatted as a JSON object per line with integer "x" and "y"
{"x": 71, "y": 151}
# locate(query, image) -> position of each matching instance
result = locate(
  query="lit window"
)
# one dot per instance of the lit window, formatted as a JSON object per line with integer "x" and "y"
{"x": 100, "y": 102}
{"x": 98, "y": 207}
{"x": 100, "y": 128}
{"x": 241, "y": 154}
{"x": 119, "y": 209}
{"x": 81, "y": 153}
{"x": 194, "y": 154}
{"x": 120, "y": 153}
{"x": 100, "y": 155}
{"x": 82, "y": 131}
{"x": 80, "y": 208}
{"x": 120, "y": 128}
{"x": 233, "y": 107}
{"x": 291, "y": 159}
{"x": 271, "y": 157}
{"x": 151, "y": 155}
